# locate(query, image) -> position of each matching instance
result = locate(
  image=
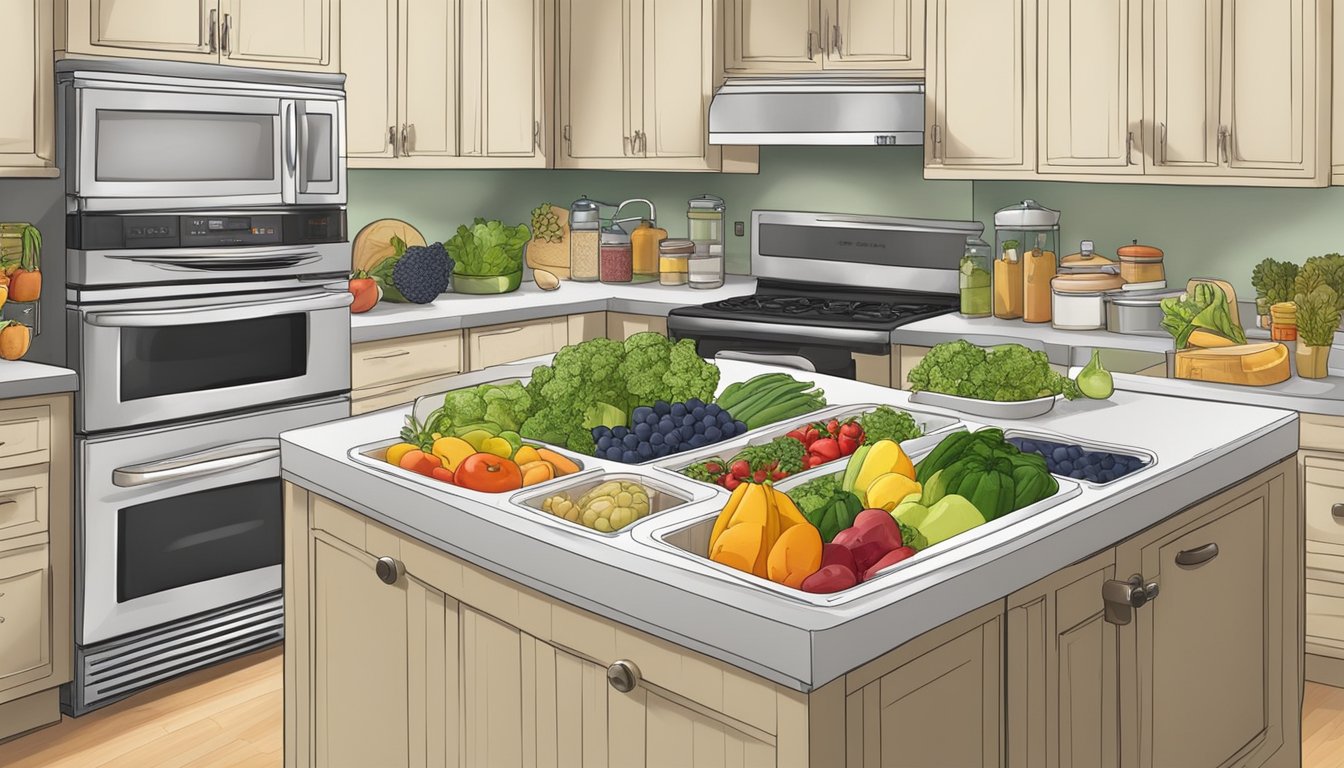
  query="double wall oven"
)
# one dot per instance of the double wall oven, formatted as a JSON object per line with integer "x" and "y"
{"x": 207, "y": 311}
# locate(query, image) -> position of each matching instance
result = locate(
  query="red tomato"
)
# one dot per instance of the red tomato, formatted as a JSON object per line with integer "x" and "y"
{"x": 442, "y": 473}
{"x": 366, "y": 294}
{"x": 420, "y": 462}
{"x": 488, "y": 473}
{"x": 827, "y": 448}
{"x": 730, "y": 482}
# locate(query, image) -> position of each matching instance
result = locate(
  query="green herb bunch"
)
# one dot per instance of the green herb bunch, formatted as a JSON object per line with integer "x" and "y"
{"x": 1317, "y": 315}
{"x": 1273, "y": 281}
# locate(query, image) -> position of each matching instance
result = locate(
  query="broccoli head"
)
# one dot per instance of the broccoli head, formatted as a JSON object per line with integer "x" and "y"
{"x": 464, "y": 406}
{"x": 946, "y": 368}
{"x": 580, "y": 389}
{"x": 507, "y": 406}
{"x": 656, "y": 368}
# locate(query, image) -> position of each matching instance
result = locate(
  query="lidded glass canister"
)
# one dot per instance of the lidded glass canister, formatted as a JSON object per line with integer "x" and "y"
{"x": 704, "y": 221}
{"x": 1027, "y": 239}
{"x": 973, "y": 279}
{"x": 585, "y": 232}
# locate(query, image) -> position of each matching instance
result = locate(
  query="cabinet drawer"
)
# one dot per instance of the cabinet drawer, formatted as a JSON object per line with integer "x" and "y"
{"x": 1325, "y": 433}
{"x": 1325, "y": 617}
{"x": 25, "y": 436}
{"x": 25, "y": 616}
{"x": 397, "y": 361}
{"x": 500, "y": 344}
{"x": 1323, "y": 482}
{"x": 23, "y": 501}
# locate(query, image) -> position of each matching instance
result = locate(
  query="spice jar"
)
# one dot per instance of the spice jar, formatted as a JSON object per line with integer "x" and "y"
{"x": 1141, "y": 264}
{"x": 585, "y": 226}
{"x": 1283, "y": 321}
{"x": 673, "y": 257}
{"x": 615, "y": 261}
{"x": 977, "y": 297}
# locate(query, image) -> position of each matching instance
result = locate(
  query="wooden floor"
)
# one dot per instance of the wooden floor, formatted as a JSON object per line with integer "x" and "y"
{"x": 231, "y": 716}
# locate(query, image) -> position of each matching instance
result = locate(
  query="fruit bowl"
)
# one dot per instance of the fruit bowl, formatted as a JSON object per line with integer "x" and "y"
{"x": 487, "y": 284}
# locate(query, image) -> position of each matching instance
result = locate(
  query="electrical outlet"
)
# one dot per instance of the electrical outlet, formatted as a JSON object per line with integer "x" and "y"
{"x": 739, "y": 228}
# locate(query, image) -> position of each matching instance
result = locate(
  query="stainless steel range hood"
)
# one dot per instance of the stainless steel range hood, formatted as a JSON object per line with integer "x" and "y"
{"x": 817, "y": 111}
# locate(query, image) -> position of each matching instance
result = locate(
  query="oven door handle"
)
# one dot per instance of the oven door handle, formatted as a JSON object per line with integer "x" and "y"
{"x": 161, "y": 318}
{"x": 221, "y": 259}
{"x": 789, "y": 361}
{"x": 210, "y": 462}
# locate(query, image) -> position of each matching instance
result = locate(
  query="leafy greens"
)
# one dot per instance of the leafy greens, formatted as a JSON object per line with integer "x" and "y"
{"x": 1205, "y": 307}
{"x": 488, "y": 248}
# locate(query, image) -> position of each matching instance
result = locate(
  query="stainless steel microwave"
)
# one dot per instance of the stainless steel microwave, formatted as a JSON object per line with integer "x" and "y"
{"x": 145, "y": 135}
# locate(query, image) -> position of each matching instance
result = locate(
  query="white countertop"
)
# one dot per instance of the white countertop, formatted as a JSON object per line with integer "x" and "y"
{"x": 792, "y": 642}
{"x": 1062, "y": 347}
{"x": 455, "y": 310}
{"x": 19, "y": 378}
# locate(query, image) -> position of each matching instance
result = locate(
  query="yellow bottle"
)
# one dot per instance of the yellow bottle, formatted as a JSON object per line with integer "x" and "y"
{"x": 644, "y": 250}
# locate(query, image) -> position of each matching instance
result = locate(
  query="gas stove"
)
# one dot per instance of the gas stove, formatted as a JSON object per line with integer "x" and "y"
{"x": 831, "y": 288}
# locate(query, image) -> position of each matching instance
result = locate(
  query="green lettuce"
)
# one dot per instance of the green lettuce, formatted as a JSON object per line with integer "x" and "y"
{"x": 1205, "y": 307}
{"x": 488, "y": 248}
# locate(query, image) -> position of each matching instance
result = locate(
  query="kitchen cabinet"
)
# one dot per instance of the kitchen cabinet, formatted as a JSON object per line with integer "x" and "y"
{"x": 36, "y": 630}
{"x": 500, "y": 344}
{"x": 27, "y": 122}
{"x": 1322, "y": 466}
{"x": 631, "y": 98}
{"x": 1091, "y": 96}
{"x": 884, "y": 36}
{"x": 283, "y": 34}
{"x": 980, "y": 89}
{"x": 1337, "y": 97}
{"x": 458, "y": 84}
{"x": 621, "y": 325}
{"x": 396, "y": 371}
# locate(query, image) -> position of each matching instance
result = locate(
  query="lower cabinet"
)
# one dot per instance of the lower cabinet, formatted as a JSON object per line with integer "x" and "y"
{"x": 396, "y": 371}
{"x": 621, "y": 326}
{"x": 399, "y": 654}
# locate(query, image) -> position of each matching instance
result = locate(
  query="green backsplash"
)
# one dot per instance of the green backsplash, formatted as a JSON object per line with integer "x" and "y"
{"x": 872, "y": 180}
{"x": 1205, "y": 231}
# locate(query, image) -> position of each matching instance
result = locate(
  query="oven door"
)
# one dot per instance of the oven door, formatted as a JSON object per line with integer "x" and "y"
{"x": 177, "y": 521}
{"x": 154, "y": 361}
{"x": 143, "y": 149}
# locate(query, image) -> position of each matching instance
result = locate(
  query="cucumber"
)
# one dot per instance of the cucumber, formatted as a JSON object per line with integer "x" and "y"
{"x": 737, "y": 392}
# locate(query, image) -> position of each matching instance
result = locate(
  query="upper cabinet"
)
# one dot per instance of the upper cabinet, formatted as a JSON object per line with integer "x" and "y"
{"x": 1156, "y": 91}
{"x": 448, "y": 84}
{"x": 283, "y": 34}
{"x": 780, "y": 36}
{"x": 27, "y": 129}
{"x": 1337, "y": 140}
{"x": 635, "y": 79}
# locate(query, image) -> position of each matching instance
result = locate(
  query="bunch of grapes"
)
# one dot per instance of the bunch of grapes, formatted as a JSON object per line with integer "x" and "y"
{"x": 546, "y": 225}
{"x": 664, "y": 429}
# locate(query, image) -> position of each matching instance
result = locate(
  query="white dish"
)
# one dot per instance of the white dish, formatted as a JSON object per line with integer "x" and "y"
{"x": 989, "y": 409}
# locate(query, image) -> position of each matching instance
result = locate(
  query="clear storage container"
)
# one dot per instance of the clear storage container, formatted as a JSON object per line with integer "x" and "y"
{"x": 974, "y": 281}
{"x": 1029, "y": 231}
{"x": 585, "y": 232}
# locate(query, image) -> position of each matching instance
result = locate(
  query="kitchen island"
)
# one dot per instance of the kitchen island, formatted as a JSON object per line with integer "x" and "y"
{"x": 497, "y": 631}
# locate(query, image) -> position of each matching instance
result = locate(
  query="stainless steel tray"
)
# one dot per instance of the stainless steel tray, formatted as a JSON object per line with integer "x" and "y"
{"x": 1149, "y": 458}
{"x": 988, "y": 409}
{"x": 935, "y": 427}
{"x": 374, "y": 456}
{"x": 688, "y": 539}
{"x": 663, "y": 497}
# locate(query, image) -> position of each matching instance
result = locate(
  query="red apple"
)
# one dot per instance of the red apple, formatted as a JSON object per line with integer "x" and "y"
{"x": 831, "y": 578}
{"x": 891, "y": 558}
{"x": 873, "y": 534}
{"x": 836, "y": 554}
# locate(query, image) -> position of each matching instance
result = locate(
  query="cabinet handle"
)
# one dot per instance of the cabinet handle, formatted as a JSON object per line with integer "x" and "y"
{"x": 1122, "y": 597}
{"x": 1162, "y": 143}
{"x": 1129, "y": 149}
{"x": 1222, "y": 143}
{"x": 1197, "y": 556}
{"x": 389, "y": 571}
{"x": 406, "y": 139}
{"x": 643, "y": 143}
{"x": 810, "y": 36}
{"x": 392, "y": 138}
{"x": 564, "y": 133}
{"x": 628, "y": 144}
{"x": 837, "y": 39}
{"x": 398, "y": 353}
{"x": 1337, "y": 511}
{"x": 214, "y": 22}
{"x": 224, "y": 35}
{"x": 623, "y": 675}
{"x": 937, "y": 143}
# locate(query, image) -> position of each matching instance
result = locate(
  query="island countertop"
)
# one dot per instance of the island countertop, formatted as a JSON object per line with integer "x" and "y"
{"x": 1200, "y": 448}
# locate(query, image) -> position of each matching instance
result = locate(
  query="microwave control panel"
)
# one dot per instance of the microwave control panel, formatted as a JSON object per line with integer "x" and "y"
{"x": 231, "y": 230}
{"x": 291, "y": 227}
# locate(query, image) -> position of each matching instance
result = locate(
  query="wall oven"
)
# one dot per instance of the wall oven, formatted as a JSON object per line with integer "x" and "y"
{"x": 150, "y": 135}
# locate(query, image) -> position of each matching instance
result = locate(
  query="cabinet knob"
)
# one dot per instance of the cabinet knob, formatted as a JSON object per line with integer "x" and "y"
{"x": 388, "y": 570}
{"x": 1337, "y": 511}
{"x": 1122, "y": 597}
{"x": 623, "y": 675}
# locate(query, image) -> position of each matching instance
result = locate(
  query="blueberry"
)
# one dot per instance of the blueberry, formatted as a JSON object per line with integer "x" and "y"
{"x": 739, "y": 427}
{"x": 698, "y": 412}
{"x": 614, "y": 453}
{"x": 672, "y": 439}
{"x": 1064, "y": 467}
{"x": 1107, "y": 461}
{"x": 1026, "y": 446}
{"x": 698, "y": 441}
{"x": 1106, "y": 475}
{"x": 688, "y": 420}
{"x": 1060, "y": 454}
{"x": 666, "y": 424}
{"x": 1076, "y": 474}
{"x": 604, "y": 442}
{"x": 723, "y": 417}
{"x": 630, "y": 457}
{"x": 643, "y": 431}
{"x": 661, "y": 450}
{"x": 1075, "y": 451}
{"x": 713, "y": 435}
{"x": 713, "y": 409}
{"x": 661, "y": 408}
{"x": 619, "y": 432}
{"x": 678, "y": 410}
{"x": 686, "y": 431}
{"x": 656, "y": 439}
{"x": 630, "y": 442}
{"x": 642, "y": 413}
{"x": 645, "y": 451}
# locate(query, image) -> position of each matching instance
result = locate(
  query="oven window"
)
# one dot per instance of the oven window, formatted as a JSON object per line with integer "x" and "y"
{"x": 184, "y": 146}
{"x": 317, "y": 151}
{"x": 197, "y": 537}
{"x": 179, "y": 359}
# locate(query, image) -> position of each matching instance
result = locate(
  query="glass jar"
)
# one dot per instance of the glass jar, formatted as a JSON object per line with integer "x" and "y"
{"x": 1008, "y": 281}
{"x": 705, "y": 267}
{"x": 673, "y": 258}
{"x": 585, "y": 225}
{"x": 704, "y": 221}
{"x": 1141, "y": 264}
{"x": 644, "y": 240}
{"x": 1029, "y": 232}
{"x": 977, "y": 295}
{"x": 615, "y": 259}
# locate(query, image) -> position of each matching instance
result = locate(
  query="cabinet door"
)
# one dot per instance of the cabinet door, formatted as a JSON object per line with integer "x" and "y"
{"x": 1270, "y": 101}
{"x": 1091, "y": 86}
{"x": 876, "y": 34}
{"x": 1209, "y": 654}
{"x": 1337, "y": 100}
{"x": 902, "y": 720}
{"x": 493, "y": 698}
{"x": 598, "y": 101}
{"x": 496, "y": 344}
{"x": 1186, "y": 74}
{"x": 184, "y": 30}
{"x": 773, "y": 35}
{"x": 433, "y": 642}
{"x": 360, "y": 663}
{"x": 504, "y": 53}
{"x": 369, "y": 58}
{"x": 980, "y": 88}
{"x": 25, "y": 616}
{"x": 428, "y": 67}
{"x": 27, "y": 133}
{"x": 678, "y": 55}
{"x": 1063, "y": 676}
{"x": 280, "y": 32}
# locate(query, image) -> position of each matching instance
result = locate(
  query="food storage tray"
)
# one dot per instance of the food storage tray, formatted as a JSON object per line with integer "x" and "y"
{"x": 935, "y": 427}
{"x": 663, "y": 497}
{"x": 498, "y": 374}
{"x": 989, "y": 409}
{"x": 1149, "y": 458}
{"x": 687, "y": 538}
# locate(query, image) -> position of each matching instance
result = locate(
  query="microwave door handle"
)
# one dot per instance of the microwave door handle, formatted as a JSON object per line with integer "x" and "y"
{"x": 164, "y": 318}
{"x": 190, "y": 466}
{"x": 291, "y": 139}
{"x": 789, "y": 361}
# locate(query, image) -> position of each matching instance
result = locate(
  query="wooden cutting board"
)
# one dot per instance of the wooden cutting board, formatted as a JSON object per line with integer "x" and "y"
{"x": 374, "y": 242}
{"x": 1254, "y": 365}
